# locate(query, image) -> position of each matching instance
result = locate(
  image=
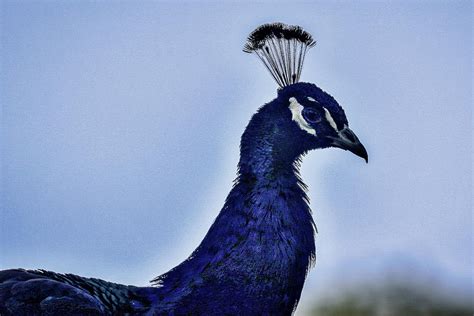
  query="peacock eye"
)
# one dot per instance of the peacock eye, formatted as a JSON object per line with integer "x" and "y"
{"x": 311, "y": 115}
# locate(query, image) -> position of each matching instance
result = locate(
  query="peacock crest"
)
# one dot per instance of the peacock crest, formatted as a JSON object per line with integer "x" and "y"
{"x": 282, "y": 49}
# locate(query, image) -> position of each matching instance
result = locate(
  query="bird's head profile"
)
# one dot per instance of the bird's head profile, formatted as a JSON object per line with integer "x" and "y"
{"x": 302, "y": 117}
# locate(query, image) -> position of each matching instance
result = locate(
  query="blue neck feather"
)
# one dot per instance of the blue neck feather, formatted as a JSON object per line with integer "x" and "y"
{"x": 256, "y": 254}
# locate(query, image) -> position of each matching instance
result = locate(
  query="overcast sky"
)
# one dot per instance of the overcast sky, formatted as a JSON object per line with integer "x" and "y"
{"x": 121, "y": 123}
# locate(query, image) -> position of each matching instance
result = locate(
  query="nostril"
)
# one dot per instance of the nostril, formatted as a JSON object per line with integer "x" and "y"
{"x": 349, "y": 136}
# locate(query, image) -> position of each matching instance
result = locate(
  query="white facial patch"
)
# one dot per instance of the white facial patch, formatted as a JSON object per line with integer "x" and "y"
{"x": 297, "y": 116}
{"x": 330, "y": 119}
{"x": 312, "y": 99}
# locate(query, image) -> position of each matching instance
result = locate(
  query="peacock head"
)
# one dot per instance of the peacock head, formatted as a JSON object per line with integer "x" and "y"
{"x": 318, "y": 120}
{"x": 310, "y": 117}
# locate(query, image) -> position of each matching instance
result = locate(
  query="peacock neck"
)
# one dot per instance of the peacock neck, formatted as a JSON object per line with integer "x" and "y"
{"x": 265, "y": 158}
{"x": 262, "y": 242}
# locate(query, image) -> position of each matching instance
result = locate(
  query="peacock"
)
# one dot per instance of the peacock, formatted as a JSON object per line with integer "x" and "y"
{"x": 256, "y": 255}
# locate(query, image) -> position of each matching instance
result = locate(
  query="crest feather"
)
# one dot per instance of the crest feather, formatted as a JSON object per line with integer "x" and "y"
{"x": 282, "y": 49}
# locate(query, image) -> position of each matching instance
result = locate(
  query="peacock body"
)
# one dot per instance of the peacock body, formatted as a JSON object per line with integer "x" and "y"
{"x": 256, "y": 255}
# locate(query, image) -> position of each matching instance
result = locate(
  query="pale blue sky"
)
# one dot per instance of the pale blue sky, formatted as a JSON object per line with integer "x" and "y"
{"x": 121, "y": 123}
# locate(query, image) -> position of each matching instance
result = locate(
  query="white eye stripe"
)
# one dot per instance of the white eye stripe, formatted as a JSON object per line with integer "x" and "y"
{"x": 312, "y": 99}
{"x": 330, "y": 119}
{"x": 297, "y": 116}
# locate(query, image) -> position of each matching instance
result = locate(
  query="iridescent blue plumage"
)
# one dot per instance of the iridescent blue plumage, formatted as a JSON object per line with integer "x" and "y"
{"x": 256, "y": 254}
{"x": 254, "y": 258}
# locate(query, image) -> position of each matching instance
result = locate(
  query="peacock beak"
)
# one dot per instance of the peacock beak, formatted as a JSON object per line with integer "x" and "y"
{"x": 347, "y": 140}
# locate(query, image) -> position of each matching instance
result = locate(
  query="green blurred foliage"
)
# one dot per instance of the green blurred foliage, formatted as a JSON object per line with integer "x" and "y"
{"x": 393, "y": 299}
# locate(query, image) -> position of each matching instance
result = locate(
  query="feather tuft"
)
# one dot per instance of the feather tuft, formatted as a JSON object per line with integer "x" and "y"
{"x": 282, "y": 49}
